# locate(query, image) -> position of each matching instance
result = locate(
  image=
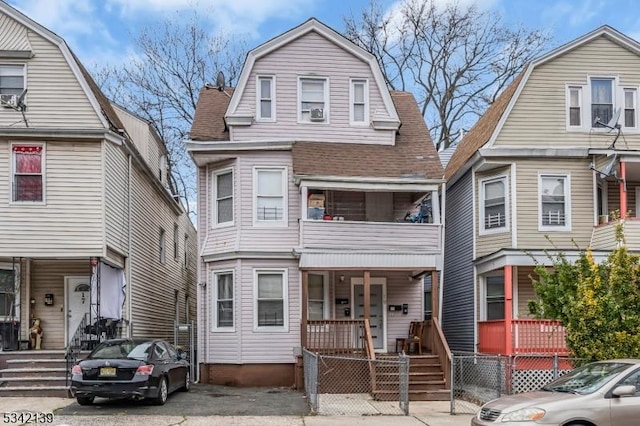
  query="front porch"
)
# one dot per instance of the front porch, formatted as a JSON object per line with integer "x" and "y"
{"x": 521, "y": 336}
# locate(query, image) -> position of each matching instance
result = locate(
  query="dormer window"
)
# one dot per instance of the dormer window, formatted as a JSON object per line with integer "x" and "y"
{"x": 314, "y": 95}
{"x": 265, "y": 99}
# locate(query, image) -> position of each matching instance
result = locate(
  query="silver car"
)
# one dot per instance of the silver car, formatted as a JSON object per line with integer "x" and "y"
{"x": 605, "y": 393}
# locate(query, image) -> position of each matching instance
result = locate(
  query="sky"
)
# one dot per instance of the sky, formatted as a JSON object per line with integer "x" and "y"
{"x": 102, "y": 31}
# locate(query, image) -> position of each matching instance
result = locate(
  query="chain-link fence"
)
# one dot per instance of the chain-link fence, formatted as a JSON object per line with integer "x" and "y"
{"x": 184, "y": 337}
{"x": 479, "y": 378}
{"x": 355, "y": 385}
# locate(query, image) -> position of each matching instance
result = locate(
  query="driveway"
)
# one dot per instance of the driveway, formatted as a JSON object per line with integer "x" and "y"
{"x": 205, "y": 400}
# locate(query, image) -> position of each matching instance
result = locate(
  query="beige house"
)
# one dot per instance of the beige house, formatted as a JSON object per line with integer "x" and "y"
{"x": 541, "y": 171}
{"x": 89, "y": 225}
{"x": 306, "y": 173}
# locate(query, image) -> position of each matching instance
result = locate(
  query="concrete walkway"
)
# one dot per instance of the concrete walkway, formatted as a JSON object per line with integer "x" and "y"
{"x": 421, "y": 413}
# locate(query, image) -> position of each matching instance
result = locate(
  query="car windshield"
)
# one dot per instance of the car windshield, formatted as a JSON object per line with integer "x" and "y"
{"x": 587, "y": 379}
{"x": 122, "y": 349}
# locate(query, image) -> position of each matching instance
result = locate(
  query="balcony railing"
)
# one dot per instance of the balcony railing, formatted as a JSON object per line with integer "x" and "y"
{"x": 527, "y": 336}
{"x": 603, "y": 236}
{"x": 335, "y": 336}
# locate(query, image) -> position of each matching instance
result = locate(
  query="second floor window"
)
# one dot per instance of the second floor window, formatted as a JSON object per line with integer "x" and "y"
{"x": 223, "y": 184}
{"x": 175, "y": 241}
{"x": 601, "y": 101}
{"x": 575, "y": 106}
{"x": 162, "y": 247}
{"x": 266, "y": 102}
{"x": 313, "y": 100}
{"x": 630, "y": 107}
{"x": 270, "y": 190}
{"x": 494, "y": 206}
{"x": 554, "y": 202}
{"x": 11, "y": 80}
{"x": 28, "y": 173}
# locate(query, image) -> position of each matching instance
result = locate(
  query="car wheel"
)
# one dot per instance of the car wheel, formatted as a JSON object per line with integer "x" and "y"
{"x": 187, "y": 382}
{"x": 163, "y": 392}
{"x": 85, "y": 400}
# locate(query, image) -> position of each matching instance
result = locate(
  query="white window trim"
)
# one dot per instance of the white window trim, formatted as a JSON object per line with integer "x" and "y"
{"x": 9, "y": 266}
{"x": 214, "y": 304}
{"x": 623, "y": 117}
{"x": 567, "y": 192}
{"x": 352, "y": 98}
{"x": 272, "y": 98}
{"x": 483, "y": 292}
{"x": 326, "y": 312}
{"x": 568, "y": 105}
{"x": 285, "y": 295}
{"x": 44, "y": 174}
{"x": 326, "y": 100}
{"x": 285, "y": 198}
{"x": 502, "y": 229}
{"x": 214, "y": 207}
{"x": 24, "y": 73}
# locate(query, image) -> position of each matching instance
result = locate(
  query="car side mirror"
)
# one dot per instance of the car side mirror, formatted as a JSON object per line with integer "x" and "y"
{"x": 624, "y": 390}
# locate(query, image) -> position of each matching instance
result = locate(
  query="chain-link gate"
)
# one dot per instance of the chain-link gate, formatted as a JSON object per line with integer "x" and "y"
{"x": 479, "y": 378}
{"x": 355, "y": 385}
{"x": 184, "y": 337}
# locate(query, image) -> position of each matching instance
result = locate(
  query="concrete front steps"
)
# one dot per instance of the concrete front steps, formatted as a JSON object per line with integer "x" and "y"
{"x": 34, "y": 373}
{"x": 426, "y": 380}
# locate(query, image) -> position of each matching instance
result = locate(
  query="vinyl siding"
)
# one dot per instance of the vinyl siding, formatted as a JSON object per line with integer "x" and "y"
{"x": 55, "y": 98}
{"x": 582, "y": 205}
{"x": 526, "y": 291}
{"x": 13, "y": 36}
{"x": 458, "y": 296}
{"x": 70, "y": 224}
{"x": 137, "y": 129}
{"x": 218, "y": 239}
{"x": 116, "y": 198}
{"x": 489, "y": 243}
{"x": 538, "y": 118}
{"x": 312, "y": 55}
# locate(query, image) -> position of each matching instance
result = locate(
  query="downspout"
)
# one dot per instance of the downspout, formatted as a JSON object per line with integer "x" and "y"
{"x": 130, "y": 283}
{"x": 443, "y": 216}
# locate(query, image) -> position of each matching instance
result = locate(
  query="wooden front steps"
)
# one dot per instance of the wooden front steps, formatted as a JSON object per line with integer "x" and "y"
{"x": 33, "y": 373}
{"x": 426, "y": 380}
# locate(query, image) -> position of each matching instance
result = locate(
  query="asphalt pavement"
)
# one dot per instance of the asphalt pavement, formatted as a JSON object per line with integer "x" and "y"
{"x": 219, "y": 405}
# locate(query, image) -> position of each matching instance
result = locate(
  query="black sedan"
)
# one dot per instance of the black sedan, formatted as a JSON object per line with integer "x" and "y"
{"x": 126, "y": 368}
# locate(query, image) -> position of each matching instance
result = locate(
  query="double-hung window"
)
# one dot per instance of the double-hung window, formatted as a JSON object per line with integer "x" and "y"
{"x": 494, "y": 297}
{"x": 270, "y": 195}
{"x": 270, "y": 310}
{"x": 318, "y": 297}
{"x": 359, "y": 101}
{"x": 223, "y": 300}
{"x": 223, "y": 187}
{"x": 601, "y": 101}
{"x": 265, "y": 100}
{"x": 313, "y": 94}
{"x": 11, "y": 80}
{"x": 28, "y": 167}
{"x": 175, "y": 241}
{"x": 493, "y": 214}
{"x": 630, "y": 99}
{"x": 575, "y": 106}
{"x": 162, "y": 246}
{"x": 554, "y": 202}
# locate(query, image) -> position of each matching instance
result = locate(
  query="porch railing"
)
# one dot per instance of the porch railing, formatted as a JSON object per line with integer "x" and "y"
{"x": 528, "y": 336}
{"x": 75, "y": 346}
{"x": 440, "y": 347}
{"x": 335, "y": 336}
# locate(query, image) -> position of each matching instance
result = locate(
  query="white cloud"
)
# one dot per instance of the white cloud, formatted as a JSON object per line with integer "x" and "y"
{"x": 573, "y": 13}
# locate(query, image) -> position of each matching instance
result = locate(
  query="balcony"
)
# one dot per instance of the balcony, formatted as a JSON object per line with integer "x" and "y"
{"x": 603, "y": 236}
{"x": 527, "y": 336}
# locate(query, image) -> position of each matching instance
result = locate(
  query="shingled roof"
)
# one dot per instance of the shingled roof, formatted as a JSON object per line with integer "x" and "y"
{"x": 208, "y": 121}
{"x": 413, "y": 155}
{"x": 481, "y": 132}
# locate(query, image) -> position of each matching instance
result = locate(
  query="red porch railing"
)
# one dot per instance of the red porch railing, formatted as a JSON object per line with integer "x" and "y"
{"x": 528, "y": 336}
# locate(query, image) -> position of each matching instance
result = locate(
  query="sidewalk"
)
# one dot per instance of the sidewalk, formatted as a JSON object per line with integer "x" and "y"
{"x": 421, "y": 413}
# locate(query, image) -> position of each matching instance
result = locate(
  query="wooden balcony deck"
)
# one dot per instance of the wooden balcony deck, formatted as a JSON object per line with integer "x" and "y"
{"x": 528, "y": 336}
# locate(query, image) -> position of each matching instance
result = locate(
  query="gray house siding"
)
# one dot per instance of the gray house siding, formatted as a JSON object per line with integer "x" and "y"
{"x": 458, "y": 300}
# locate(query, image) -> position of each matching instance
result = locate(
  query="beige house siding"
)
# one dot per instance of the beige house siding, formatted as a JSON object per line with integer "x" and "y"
{"x": 313, "y": 55}
{"x": 14, "y": 36}
{"x": 70, "y": 223}
{"x": 538, "y": 118}
{"x": 55, "y": 98}
{"x": 491, "y": 242}
{"x": 136, "y": 128}
{"x": 116, "y": 198}
{"x": 526, "y": 291}
{"x": 582, "y": 203}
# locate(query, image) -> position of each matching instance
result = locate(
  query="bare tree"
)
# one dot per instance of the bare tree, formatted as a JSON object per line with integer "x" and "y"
{"x": 455, "y": 59}
{"x": 161, "y": 82}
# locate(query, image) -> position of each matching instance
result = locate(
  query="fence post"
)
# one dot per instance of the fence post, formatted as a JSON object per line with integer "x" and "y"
{"x": 555, "y": 366}
{"x": 452, "y": 408}
{"x": 404, "y": 384}
{"x": 499, "y": 377}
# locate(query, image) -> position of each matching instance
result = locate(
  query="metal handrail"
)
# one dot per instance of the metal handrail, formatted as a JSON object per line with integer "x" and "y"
{"x": 74, "y": 347}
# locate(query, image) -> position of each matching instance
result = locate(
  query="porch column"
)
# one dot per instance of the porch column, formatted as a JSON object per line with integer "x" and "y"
{"x": 623, "y": 190}
{"x": 367, "y": 294}
{"x": 508, "y": 307}
{"x": 435, "y": 291}
{"x": 305, "y": 299}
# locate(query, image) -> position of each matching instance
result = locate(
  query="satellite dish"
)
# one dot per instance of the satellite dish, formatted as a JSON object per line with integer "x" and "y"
{"x": 606, "y": 171}
{"x": 613, "y": 123}
{"x": 220, "y": 80}
{"x": 20, "y": 106}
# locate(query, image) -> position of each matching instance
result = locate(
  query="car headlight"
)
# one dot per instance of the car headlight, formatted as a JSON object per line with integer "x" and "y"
{"x": 524, "y": 415}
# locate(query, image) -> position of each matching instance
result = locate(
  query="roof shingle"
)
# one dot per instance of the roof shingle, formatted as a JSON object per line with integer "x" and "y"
{"x": 208, "y": 121}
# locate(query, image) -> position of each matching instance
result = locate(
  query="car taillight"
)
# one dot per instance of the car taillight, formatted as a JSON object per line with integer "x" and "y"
{"x": 76, "y": 369}
{"x": 144, "y": 370}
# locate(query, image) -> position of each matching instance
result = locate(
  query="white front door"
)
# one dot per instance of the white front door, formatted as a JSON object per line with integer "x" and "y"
{"x": 376, "y": 309}
{"x": 78, "y": 302}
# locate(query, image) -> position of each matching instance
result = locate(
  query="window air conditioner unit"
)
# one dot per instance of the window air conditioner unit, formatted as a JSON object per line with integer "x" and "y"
{"x": 316, "y": 114}
{"x": 8, "y": 101}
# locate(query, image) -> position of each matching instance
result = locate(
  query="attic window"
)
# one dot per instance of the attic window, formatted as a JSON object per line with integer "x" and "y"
{"x": 314, "y": 96}
{"x": 11, "y": 79}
